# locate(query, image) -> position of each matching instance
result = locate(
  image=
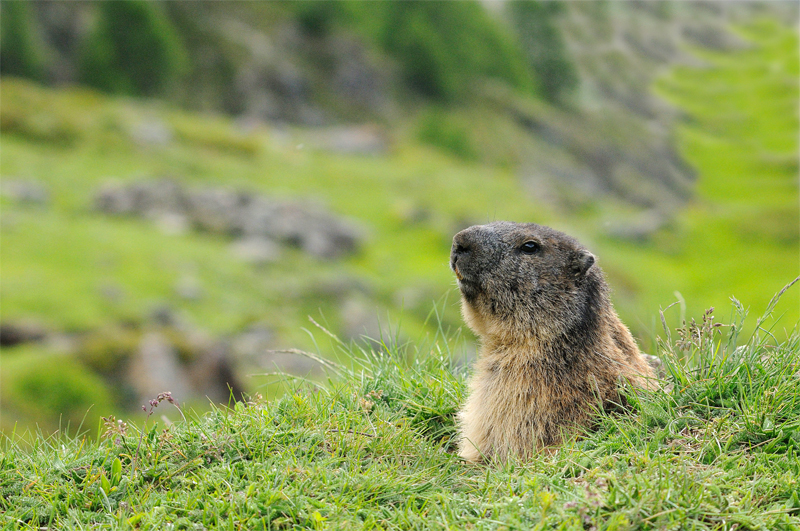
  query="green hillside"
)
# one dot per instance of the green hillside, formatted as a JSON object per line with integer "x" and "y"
{"x": 74, "y": 270}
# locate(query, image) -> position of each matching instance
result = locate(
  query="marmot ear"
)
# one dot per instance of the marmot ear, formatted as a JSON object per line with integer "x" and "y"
{"x": 581, "y": 262}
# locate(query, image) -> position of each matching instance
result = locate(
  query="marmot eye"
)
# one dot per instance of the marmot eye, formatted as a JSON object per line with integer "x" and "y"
{"x": 529, "y": 247}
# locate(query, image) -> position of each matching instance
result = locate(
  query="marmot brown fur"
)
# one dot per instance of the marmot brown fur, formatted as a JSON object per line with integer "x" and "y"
{"x": 553, "y": 349}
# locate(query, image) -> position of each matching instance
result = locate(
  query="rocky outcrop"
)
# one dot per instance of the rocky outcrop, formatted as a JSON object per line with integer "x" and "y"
{"x": 15, "y": 333}
{"x": 261, "y": 225}
{"x": 26, "y": 191}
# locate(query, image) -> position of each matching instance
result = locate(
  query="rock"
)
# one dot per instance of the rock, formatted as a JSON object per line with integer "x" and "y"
{"x": 151, "y": 132}
{"x": 213, "y": 375}
{"x": 289, "y": 362}
{"x": 274, "y": 89}
{"x": 112, "y": 292}
{"x": 263, "y": 222}
{"x": 413, "y": 297}
{"x": 713, "y": 36}
{"x": 160, "y": 198}
{"x": 362, "y": 321}
{"x": 358, "y": 140}
{"x": 25, "y": 191}
{"x": 253, "y": 342}
{"x": 147, "y": 198}
{"x": 640, "y": 227}
{"x": 255, "y": 346}
{"x": 358, "y": 78}
{"x": 156, "y": 369}
{"x": 258, "y": 217}
{"x": 163, "y": 315}
{"x": 411, "y": 213}
{"x": 21, "y": 332}
{"x": 256, "y": 250}
{"x": 172, "y": 223}
{"x": 656, "y": 364}
{"x": 114, "y": 199}
{"x": 339, "y": 287}
{"x": 316, "y": 232}
{"x": 214, "y": 209}
{"x": 206, "y": 372}
{"x": 189, "y": 288}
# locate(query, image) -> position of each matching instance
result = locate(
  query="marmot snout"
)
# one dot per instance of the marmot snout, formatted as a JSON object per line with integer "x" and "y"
{"x": 552, "y": 347}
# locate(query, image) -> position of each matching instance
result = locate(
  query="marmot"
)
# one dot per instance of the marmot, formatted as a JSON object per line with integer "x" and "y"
{"x": 553, "y": 349}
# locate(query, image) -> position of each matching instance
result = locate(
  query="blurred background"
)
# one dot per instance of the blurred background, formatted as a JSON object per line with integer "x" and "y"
{"x": 184, "y": 184}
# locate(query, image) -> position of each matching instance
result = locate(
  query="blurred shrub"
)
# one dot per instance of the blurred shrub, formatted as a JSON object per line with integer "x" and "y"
{"x": 442, "y": 130}
{"x": 20, "y": 51}
{"x": 317, "y": 17}
{"x": 109, "y": 348}
{"x": 219, "y": 136}
{"x": 213, "y": 62}
{"x": 535, "y": 23}
{"x": 441, "y": 47}
{"x": 444, "y": 46}
{"x": 30, "y": 111}
{"x": 53, "y": 388}
{"x": 133, "y": 49}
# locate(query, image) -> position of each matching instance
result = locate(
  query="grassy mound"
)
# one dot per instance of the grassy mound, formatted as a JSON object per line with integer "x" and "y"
{"x": 717, "y": 448}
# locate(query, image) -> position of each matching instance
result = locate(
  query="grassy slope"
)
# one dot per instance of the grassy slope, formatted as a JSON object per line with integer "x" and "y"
{"x": 82, "y": 249}
{"x": 741, "y": 235}
{"x": 56, "y": 262}
{"x": 372, "y": 451}
{"x": 742, "y": 139}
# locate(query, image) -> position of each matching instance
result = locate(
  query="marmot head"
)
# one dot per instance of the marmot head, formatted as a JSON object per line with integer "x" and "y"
{"x": 522, "y": 280}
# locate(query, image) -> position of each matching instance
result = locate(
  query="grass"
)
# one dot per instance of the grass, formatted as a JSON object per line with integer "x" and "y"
{"x": 716, "y": 448}
{"x": 739, "y": 236}
{"x": 70, "y": 242}
{"x": 741, "y": 136}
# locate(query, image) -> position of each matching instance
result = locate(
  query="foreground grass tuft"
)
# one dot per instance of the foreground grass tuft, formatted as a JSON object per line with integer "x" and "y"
{"x": 717, "y": 448}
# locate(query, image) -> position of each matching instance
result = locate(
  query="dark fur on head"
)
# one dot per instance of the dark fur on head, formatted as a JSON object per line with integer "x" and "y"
{"x": 529, "y": 277}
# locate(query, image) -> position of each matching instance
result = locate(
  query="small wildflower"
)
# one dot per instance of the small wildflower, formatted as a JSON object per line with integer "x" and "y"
{"x": 114, "y": 428}
{"x": 167, "y": 395}
{"x": 694, "y": 335}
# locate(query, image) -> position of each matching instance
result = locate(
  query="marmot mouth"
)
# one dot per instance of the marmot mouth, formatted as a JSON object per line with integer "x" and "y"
{"x": 468, "y": 287}
{"x": 459, "y": 276}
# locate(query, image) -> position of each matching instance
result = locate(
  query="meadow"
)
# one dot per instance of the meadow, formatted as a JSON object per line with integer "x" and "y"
{"x": 715, "y": 448}
{"x": 740, "y": 137}
{"x": 75, "y": 270}
{"x": 370, "y": 444}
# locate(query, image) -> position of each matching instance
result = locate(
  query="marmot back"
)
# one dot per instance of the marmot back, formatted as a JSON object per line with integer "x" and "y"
{"x": 552, "y": 346}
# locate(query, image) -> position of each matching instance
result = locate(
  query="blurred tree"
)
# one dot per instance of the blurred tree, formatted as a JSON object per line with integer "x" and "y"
{"x": 212, "y": 60}
{"x": 20, "y": 53}
{"x": 133, "y": 49}
{"x": 317, "y": 17}
{"x": 544, "y": 47}
{"x": 444, "y": 46}
{"x": 441, "y": 46}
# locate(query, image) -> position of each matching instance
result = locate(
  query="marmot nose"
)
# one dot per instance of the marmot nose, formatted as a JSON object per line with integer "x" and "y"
{"x": 457, "y": 251}
{"x": 462, "y": 245}
{"x": 460, "y": 248}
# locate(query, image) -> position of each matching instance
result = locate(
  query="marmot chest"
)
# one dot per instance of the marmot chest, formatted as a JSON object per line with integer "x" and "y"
{"x": 538, "y": 388}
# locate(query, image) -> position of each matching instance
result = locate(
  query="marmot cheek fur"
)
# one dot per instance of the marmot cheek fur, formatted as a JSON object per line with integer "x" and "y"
{"x": 552, "y": 347}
